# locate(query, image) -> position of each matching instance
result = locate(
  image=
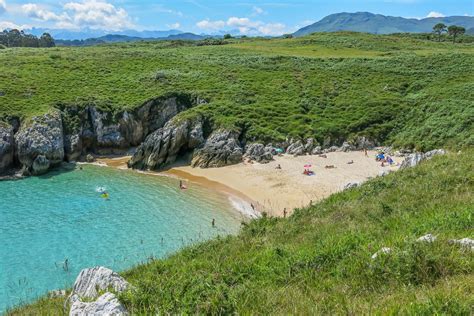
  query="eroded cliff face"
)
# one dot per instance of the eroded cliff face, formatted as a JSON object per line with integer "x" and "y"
{"x": 7, "y": 143}
{"x": 70, "y": 132}
{"x": 40, "y": 144}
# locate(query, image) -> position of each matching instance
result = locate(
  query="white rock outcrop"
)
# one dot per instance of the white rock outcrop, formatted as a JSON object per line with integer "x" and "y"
{"x": 414, "y": 159}
{"x": 427, "y": 238}
{"x": 382, "y": 251}
{"x": 106, "y": 304}
{"x": 91, "y": 280}
{"x": 465, "y": 243}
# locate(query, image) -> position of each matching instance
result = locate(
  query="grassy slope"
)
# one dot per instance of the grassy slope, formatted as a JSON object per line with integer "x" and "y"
{"x": 401, "y": 89}
{"x": 318, "y": 260}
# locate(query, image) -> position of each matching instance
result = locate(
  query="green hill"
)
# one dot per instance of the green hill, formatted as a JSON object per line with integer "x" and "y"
{"x": 333, "y": 87}
{"x": 318, "y": 261}
{"x": 380, "y": 24}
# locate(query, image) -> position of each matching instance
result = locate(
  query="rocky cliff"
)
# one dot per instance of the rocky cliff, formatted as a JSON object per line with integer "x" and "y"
{"x": 70, "y": 132}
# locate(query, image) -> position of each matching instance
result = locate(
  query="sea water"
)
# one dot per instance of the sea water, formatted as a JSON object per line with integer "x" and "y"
{"x": 53, "y": 226}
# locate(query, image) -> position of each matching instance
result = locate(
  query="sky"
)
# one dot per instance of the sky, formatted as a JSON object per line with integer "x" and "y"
{"x": 260, "y": 17}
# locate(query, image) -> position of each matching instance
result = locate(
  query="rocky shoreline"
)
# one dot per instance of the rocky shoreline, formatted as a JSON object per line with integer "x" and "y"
{"x": 72, "y": 133}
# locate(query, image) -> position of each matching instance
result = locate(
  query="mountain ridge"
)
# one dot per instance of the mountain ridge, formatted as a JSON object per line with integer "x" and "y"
{"x": 380, "y": 24}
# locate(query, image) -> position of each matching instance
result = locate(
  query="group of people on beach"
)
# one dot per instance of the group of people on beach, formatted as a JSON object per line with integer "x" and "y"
{"x": 384, "y": 159}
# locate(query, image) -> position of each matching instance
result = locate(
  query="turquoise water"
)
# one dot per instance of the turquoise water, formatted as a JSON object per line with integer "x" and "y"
{"x": 46, "y": 220}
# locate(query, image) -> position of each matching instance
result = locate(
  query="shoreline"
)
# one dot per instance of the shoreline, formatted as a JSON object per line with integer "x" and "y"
{"x": 238, "y": 200}
{"x": 277, "y": 191}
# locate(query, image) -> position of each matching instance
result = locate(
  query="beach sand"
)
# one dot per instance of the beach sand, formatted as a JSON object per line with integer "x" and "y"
{"x": 272, "y": 190}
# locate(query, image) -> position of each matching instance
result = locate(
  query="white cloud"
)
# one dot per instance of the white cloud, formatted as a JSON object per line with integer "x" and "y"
{"x": 3, "y": 6}
{"x": 176, "y": 25}
{"x": 210, "y": 25}
{"x": 10, "y": 25}
{"x": 245, "y": 26}
{"x": 160, "y": 8}
{"x": 94, "y": 14}
{"x": 434, "y": 14}
{"x": 98, "y": 14}
{"x": 35, "y": 12}
{"x": 257, "y": 11}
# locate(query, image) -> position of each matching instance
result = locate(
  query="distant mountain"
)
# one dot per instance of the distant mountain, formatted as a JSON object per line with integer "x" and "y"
{"x": 89, "y": 33}
{"x": 115, "y": 38}
{"x": 381, "y": 24}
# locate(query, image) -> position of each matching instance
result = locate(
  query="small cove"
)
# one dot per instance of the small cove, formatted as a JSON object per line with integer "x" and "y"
{"x": 46, "y": 220}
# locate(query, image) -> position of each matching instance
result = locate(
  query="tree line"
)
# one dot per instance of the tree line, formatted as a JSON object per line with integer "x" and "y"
{"x": 452, "y": 30}
{"x": 16, "y": 38}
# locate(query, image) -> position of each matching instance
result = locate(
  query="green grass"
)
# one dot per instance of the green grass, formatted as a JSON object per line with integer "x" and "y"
{"x": 318, "y": 261}
{"x": 395, "y": 89}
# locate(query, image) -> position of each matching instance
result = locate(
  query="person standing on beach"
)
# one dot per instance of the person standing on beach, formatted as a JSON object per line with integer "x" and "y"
{"x": 213, "y": 222}
{"x": 284, "y": 212}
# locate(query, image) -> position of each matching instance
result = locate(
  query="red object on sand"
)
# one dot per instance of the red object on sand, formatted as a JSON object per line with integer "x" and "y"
{"x": 307, "y": 166}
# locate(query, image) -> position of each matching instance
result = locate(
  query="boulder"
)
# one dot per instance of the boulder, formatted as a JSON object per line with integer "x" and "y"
{"x": 106, "y": 304}
{"x": 90, "y": 281}
{"x": 296, "y": 148}
{"x": 310, "y": 144}
{"x": 346, "y": 147}
{"x": 382, "y": 251}
{"x": 351, "y": 185}
{"x": 362, "y": 142}
{"x": 414, "y": 159}
{"x": 90, "y": 158}
{"x": 163, "y": 146}
{"x": 42, "y": 137}
{"x": 40, "y": 165}
{"x": 318, "y": 150}
{"x": 331, "y": 149}
{"x": 427, "y": 238}
{"x": 222, "y": 148}
{"x": 465, "y": 243}
{"x": 7, "y": 147}
{"x": 259, "y": 153}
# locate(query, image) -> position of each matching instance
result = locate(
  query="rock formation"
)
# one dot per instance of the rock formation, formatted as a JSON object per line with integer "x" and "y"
{"x": 222, "y": 148}
{"x": 7, "y": 147}
{"x": 414, "y": 159}
{"x": 163, "y": 146}
{"x": 260, "y": 153}
{"x": 41, "y": 144}
{"x": 87, "y": 286}
{"x": 106, "y": 304}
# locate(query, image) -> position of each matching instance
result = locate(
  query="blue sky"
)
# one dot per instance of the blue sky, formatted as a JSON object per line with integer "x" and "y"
{"x": 263, "y": 17}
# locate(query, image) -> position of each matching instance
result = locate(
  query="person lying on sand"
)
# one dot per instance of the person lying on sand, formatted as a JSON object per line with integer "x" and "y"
{"x": 278, "y": 167}
{"x": 350, "y": 162}
{"x": 330, "y": 167}
{"x": 323, "y": 156}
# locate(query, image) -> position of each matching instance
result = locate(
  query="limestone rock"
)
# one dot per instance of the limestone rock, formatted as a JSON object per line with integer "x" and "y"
{"x": 429, "y": 238}
{"x": 91, "y": 280}
{"x": 296, "y": 148}
{"x": 346, "y": 147}
{"x": 414, "y": 159}
{"x": 465, "y": 243}
{"x": 382, "y": 251}
{"x": 317, "y": 150}
{"x": 259, "y": 153}
{"x": 90, "y": 158}
{"x": 351, "y": 185}
{"x": 106, "y": 304}
{"x": 163, "y": 146}
{"x": 43, "y": 137}
{"x": 362, "y": 142}
{"x": 222, "y": 148}
{"x": 331, "y": 149}
{"x": 310, "y": 144}
{"x": 7, "y": 147}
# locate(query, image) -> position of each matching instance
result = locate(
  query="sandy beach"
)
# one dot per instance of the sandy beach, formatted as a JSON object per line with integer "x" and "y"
{"x": 272, "y": 190}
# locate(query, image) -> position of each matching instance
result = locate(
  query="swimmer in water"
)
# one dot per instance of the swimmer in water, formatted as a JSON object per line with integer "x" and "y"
{"x": 182, "y": 186}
